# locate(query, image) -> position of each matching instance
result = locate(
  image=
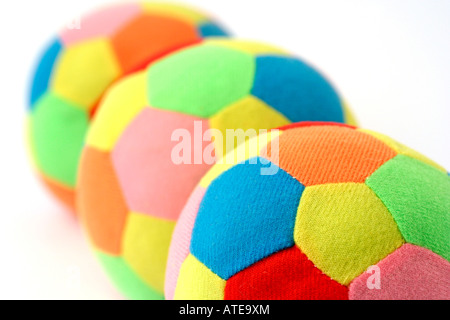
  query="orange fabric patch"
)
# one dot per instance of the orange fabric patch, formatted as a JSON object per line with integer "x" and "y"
{"x": 101, "y": 206}
{"x": 329, "y": 154}
{"x": 63, "y": 193}
{"x": 149, "y": 36}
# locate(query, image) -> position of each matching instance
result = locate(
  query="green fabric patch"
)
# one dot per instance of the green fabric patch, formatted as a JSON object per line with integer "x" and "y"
{"x": 201, "y": 81}
{"x": 126, "y": 279}
{"x": 57, "y": 131}
{"x": 418, "y": 197}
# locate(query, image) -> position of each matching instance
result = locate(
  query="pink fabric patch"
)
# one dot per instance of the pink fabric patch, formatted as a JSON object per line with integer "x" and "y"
{"x": 409, "y": 273}
{"x": 101, "y": 23}
{"x": 181, "y": 241}
{"x": 152, "y": 183}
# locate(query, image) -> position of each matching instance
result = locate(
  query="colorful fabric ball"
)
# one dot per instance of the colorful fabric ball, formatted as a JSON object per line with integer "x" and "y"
{"x": 340, "y": 207}
{"x": 82, "y": 62}
{"x": 131, "y": 191}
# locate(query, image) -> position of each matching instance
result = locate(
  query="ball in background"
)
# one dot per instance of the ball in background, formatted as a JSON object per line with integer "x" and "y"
{"x": 81, "y": 63}
{"x": 130, "y": 190}
{"x": 342, "y": 200}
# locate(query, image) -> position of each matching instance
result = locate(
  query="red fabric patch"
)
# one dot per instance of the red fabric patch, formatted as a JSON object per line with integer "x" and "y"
{"x": 286, "y": 275}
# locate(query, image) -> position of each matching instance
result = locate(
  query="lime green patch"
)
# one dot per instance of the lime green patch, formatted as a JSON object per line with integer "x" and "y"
{"x": 418, "y": 197}
{"x": 57, "y": 131}
{"x": 126, "y": 280}
{"x": 201, "y": 81}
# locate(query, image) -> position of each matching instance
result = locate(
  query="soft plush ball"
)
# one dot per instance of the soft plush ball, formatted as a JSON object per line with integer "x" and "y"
{"x": 316, "y": 211}
{"x": 78, "y": 66}
{"x": 133, "y": 185}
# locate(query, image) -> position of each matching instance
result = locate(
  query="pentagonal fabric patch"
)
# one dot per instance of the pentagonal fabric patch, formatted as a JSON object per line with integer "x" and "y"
{"x": 148, "y": 37}
{"x": 65, "y": 125}
{"x": 209, "y": 29}
{"x": 127, "y": 280}
{"x": 344, "y": 228}
{"x": 84, "y": 71}
{"x": 329, "y": 154}
{"x": 286, "y": 275}
{"x": 43, "y": 71}
{"x": 249, "y": 113}
{"x": 145, "y": 247}
{"x": 201, "y": 80}
{"x": 418, "y": 197}
{"x": 101, "y": 23}
{"x": 101, "y": 204}
{"x": 155, "y": 177}
{"x": 246, "y": 209}
{"x": 410, "y": 273}
{"x": 197, "y": 282}
{"x": 296, "y": 90}
{"x": 185, "y": 13}
{"x": 121, "y": 104}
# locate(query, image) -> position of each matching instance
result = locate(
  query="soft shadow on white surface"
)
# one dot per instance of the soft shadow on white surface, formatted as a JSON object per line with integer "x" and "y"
{"x": 388, "y": 58}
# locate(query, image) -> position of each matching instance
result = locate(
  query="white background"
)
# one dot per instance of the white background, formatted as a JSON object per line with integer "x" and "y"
{"x": 389, "y": 58}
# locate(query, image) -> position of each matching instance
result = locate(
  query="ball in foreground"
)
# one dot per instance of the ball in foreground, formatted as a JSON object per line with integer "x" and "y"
{"x": 131, "y": 191}
{"x": 342, "y": 201}
{"x": 82, "y": 62}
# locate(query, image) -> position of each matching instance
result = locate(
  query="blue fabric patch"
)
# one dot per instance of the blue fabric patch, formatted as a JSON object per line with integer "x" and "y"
{"x": 245, "y": 217}
{"x": 43, "y": 72}
{"x": 211, "y": 30}
{"x": 296, "y": 90}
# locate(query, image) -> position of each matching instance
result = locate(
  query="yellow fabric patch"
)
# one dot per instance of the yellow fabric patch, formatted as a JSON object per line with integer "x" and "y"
{"x": 402, "y": 149}
{"x": 246, "y": 114}
{"x": 253, "y": 48}
{"x": 197, "y": 282}
{"x": 349, "y": 117}
{"x": 344, "y": 229}
{"x": 122, "y": 103}
{"x": 176, "y": 11}
{"x": 145, "y": 247}
{"x": 84, "y": 71}
{"x": 250, "y": 149}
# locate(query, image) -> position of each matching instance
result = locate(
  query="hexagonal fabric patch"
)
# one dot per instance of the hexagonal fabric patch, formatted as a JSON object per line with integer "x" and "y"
{"x": 418, "y": 197}
{"x": 344, "y": 228}
{"x": 201, "y": 80}
{"x": 148, "y": 37}
{"x": 84, "y": 71}
{"x": 410, "y": 273}
{"x": 286, "y": 275}
{"x": 402, "y": 149}
{"x": 266, "y": 209}
{"x": 101, "y": 205}
{"x": 129, "y": 283}
{"x": 296, "y": 90}
{"x": 197, "y": 282}
{"x": 145, "y": 247}
{"x": 65, "y": 125}
{"x": 329, "y": 154}
{"x": 153, "y": 180}
{"x": 102, "y": 23}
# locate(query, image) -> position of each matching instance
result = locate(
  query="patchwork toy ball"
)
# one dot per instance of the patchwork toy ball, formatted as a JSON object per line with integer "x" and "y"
{"x": 135, "y": 175}
{"x": 316, "y": 211}
{"x": 82, "y": 62}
